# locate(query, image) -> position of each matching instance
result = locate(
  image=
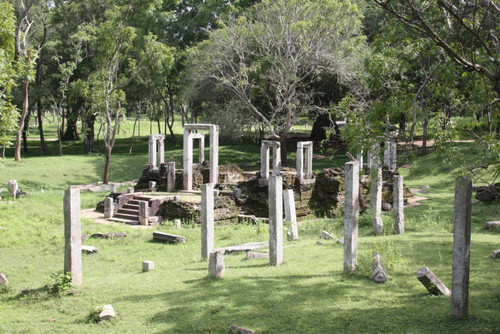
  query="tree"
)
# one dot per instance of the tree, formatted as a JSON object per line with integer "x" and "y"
{"x": 270, "y": 59}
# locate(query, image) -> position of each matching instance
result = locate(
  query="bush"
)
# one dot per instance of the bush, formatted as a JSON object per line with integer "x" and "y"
{"x": 60, "y": 283}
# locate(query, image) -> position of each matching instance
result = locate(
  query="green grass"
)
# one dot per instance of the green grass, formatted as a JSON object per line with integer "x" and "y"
{"x": 309, "y": 293}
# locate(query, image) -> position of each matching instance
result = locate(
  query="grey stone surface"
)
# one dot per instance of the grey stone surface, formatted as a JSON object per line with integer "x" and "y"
{"x": 340, "y": 241}
{"x": 3, "y": 280}
{"x": 378, "y": 226}
{"x": 241, "y": 330}
{"x": 351, "y": 215}
{"x": 216, "y": 265}
{"x": 107, "y": 313}
{"x": 393, "y": 155}
{"x": 12, "y": 188}
{"x": 319, "y": 243}
{"x": 249, "y": 246}
{"x": 171, "y": 176}
{"x": 178, "y": 223}
{"x": 493, "y": 224}
{"x": 275, "y": 220}
{"x": 461, "y": 248}
{"x": 386, "y": 206}
{"x": 496, "y": 254}
{"x": 130, "y": 190}
{"x": 169, "y": 238}
{"x": 109, "y": 207}
{"x": 290, "y": 215}
{"x": 99, "y": 235}
{"x": 148, "y": 266}
{"x": 359, "y": 157}
{"x": 207, "y": 219}
{"x": 89, "y": 249}
{"x": 73, "y": 235}
{"x": 257, "y": 256}
{"x": 152, "y": 185}
{"x": 143, "y": 213}
{"x": 376, "y": 193}
{"x": 325, "y": 235}
{"x": 379, "y": 273}
{"x": 431, "y": 282}
{"x": 398, "y": 205}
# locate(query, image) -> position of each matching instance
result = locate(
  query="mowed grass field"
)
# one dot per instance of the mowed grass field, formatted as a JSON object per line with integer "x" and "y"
{"x": 309, "y": 293}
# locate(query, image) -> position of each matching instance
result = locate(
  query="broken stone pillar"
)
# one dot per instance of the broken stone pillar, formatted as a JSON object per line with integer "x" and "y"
{"x": 351, "y": 213}
{"x": 398, "y": 204}
{"x": 207, "y": 219}
{"x": 216, "y": 265}
{"x": 379, "y": 273}
{"x": 109, "y": 207}
{"x": 171, "y": 176}
{"x": 431, "y": 282}
{"x": 148, "y": 266}
{"x": 275, "y": 220}
{"x": 290, "y": 215}
{"x": 73, "y": 235}
{"x": 187, "y": 174}
{"x": 143, "y": 213}
{"x": 461, "y": 248}
{"x": 376, "y": 193}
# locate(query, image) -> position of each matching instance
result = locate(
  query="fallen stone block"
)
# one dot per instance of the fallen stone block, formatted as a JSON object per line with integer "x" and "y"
{"x": 109, "y": 235}
{"x": 431, "y": 282}
{"x": 241, "y": 330}
{"x": 107, "y": 313}
{"x": 379, "y": 273}
{"x": 246, "y": 247}
{"x": 493, "y": 224}
{"x": 496, "y": 254}
{"x": 148, "y": 266}
{"x": 257, "y": 256}
{"x": 340, "y": 241}
{"x": 169, "y": 238}
{"x": 319, "y": 243}
{"x": 3, "y": 280}
{"x": 325, "y": 235}
{"x": 89, "y": 249}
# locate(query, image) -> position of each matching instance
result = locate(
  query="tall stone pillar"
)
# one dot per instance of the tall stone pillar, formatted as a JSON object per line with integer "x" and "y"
{"x": 308, "y": 162}
{"x": 214, "y": 155}
{"x": 275, "y": 220}
{"x": 376, "y": 194}
{"x": 290, "y": 215}
{"x": 393, "y": 160}
{"x": 398, "y": 204}
{"x": 276, "y": 159}
{"x": 72, "y": 235}
{"x": 359, "y": 157}
{"x": 171, "y": 176}
{"x": 461, "y": 248}
{"x": 207, "y": 219}
{"x": 387, "y": 154}
{"x": 351, "y": 215}
{"x": 161, "y": 150}
{"x": 187, "y": 173}
{"x": 300, "y": 161}
{"x": 152, "y": 152}
{"x": 201, "y": 149}
{"x": 264, "y": 161}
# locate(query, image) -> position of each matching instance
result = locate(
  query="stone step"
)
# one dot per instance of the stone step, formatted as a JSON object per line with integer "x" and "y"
{"x": 121, "y": 220}
{"x": 142, "y": 198}
{"x": 128, "y": 211}
{"x": 126, "y": 216}
{"x": 129, "y": 206}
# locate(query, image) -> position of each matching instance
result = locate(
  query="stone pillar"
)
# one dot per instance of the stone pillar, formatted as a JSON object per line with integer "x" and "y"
{"x": 161, "y": 150}
{"x": 214, "y": 154}
{"x": 369, "y": 160}
{"x": 393, "y": 160}
{"x": 276, "y": 159}
{"x": 72, "y": 235}
{"x": 109, "y": 207}
{"x": 398, "y": 204}
{"x": 308, "y": 162}
{"x": 216, "y": 265}
{"x": 143, "y": 213}
{"x": 201, "y": 149}
{"x": 264, "y": 161}
{"x": 359, "y": 157}
{"x": 152, "y": 185}
{"x": 290, "y": 215}
{"x": 171, "y": 176}
{"x": 275, "y": 220}
{"x": 187, "y": 174}
{"x": 300, "y": 160}
{"x": 351, "y": 214}
{"x": 152, "y": 152}
{"x": 376, "y": 194}
{"x": 207, "y": 219}
{"x": 130, "y": 190}
{"x": 461, "y": 248}
{"x": 387, "y": 154}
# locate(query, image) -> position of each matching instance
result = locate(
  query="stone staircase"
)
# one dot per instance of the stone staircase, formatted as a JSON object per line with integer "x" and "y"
{"x": 128, "y": 210}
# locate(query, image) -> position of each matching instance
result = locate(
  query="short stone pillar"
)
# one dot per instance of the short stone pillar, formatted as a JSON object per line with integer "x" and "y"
{"x": 130, "y": 190}
{"x": 171, "y": 176}
{"x": 461, "y": 248}
{"x": 143, "y": 213}
{"x": 72, "y": 235}
{"x": 152, "y": 185}
{"x": 431, "y": 282}
{"x": 275, "y": 220}
{"x": 207, "y": 219}
{"x": 216, "y": 264}
{"x": 351, "y": 215}
{"x": 156, "y": 142}
{"x": 398, "y": 204}
{"x": 187, "y": 173}
{"x": 264, "y": 158}
{"x": 178, "y": 223}
{"x": 201, "y": 146}
{"x": 148, "y": 266}
{"x": 112, "y": 187}
{"x": 290, "y": 215}
{"x": 376, "y": 193}
{"x": 109, "y": 207}
{"x": 304, "y": 159}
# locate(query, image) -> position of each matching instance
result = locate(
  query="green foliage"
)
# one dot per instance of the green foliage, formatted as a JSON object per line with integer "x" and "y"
{"x": 93, "y": 316}
{"x": 60, "y": 282}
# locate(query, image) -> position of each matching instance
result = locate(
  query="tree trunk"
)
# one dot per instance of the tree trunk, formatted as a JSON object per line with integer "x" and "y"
{"x": 283, "y": 150}
{"x": 132, "y": 139}
{"x": 424, "y": 137}
{"x": 45, "y": 149}
{"x": 26, "y": 128}
{"x": 402, "y": 122}
{"x": 107, "y": 164}
{"x": 71, "y": 129}
{"x": 322, "y": 122}
{"x": 89, "y": 132}
{"x": 17, "y": 147}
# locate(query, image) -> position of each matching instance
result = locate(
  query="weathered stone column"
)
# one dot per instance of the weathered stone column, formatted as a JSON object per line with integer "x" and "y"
{"x": 398, "y": 204}
{"x": 393, "y": 160}
{"x": 73, "y": 235}
{"x": 143, "y": 213}
{"x": 216, "y": 264}
{"x": 201, "y": 149}
{"x": 308, "y": 162}
{"x": 214, "y": 154}
{"x": 351, "y": 214}
{"x": 161, "y": 150}
{"x": 387, "y": 154}
{"x": 152, "y": 152}
{"x": 275, "y": 220}
{"x": 109, "y": 207}
{"x": 187, "y": 173}
{"x": 300, "y": 160}
{"x": 290, "y": 215}
{"x": 461, "y": 248}
{"x": 376, "y": 194}
{"x": 276, "y": 159}
{"x": 207, "y": 219}
{"x": 359, "y": 157}
{"x": 171, "y": 176}
{"x": 264, "y": 161}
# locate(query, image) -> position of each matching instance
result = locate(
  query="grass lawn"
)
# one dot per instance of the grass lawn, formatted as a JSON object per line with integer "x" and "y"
{"x": 309, "y": 293}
